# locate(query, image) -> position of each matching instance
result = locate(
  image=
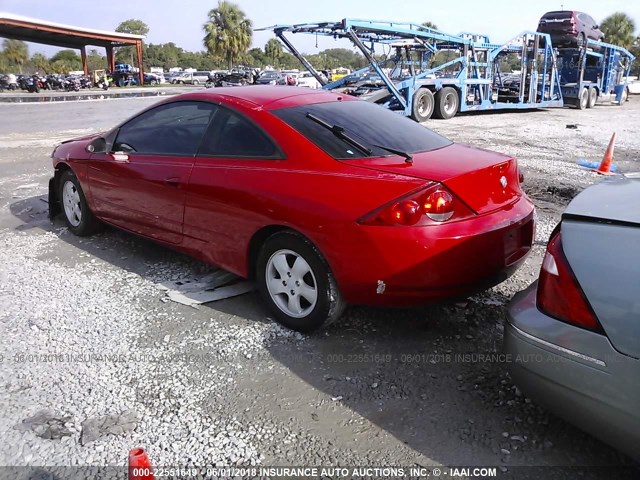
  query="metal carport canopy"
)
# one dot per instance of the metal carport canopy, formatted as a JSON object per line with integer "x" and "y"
{"x": 49, "y": 33}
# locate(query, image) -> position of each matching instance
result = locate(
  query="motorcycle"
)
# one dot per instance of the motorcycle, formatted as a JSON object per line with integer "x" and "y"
{"x": 85, "y": 82}
{"x": 54, "y": 82}
{"x": 71, "y": 84}
{"x": 103, "y": 83}
{"x": 8, "y": 82}
{"x": 30, "y": 83}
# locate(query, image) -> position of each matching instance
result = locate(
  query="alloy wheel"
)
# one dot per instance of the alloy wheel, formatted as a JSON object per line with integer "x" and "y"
{"x": 71, "y": 201}
{"x": 291, "y": 283}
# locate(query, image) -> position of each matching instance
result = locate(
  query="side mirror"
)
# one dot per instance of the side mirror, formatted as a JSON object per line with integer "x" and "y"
{"x": 98, "y": 145}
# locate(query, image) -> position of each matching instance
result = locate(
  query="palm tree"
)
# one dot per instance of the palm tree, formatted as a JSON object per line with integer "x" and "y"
{"x": 15, "y": 52}
{"x": 618, "y": 29}
{"x": 40, "y": 62}
{"x": 228, "y": 32}
{"x": 273, "y": 50}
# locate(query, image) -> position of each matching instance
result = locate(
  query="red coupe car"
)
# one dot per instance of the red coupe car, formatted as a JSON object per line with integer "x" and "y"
{"x": 323, "y": 199}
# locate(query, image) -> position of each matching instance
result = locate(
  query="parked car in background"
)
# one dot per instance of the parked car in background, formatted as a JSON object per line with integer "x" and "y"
{"x": 269, "y": 77}
{"x": 169, "y": 76}
{"x": 199, "y": 77}
{"x": 313, "y": 185}
{"x": 574, "y": 335}
{"x": 633, "y": 86}
{"x": 181, "y": 78}
{"x": 153, "y": 79}
{"x": 305, "y": 79}
{"x": 569, "y": 27}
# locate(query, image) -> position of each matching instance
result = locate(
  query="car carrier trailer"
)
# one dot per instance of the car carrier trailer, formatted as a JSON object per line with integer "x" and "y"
{"x": 472, "y": 78}
{"x": 597, "y": 72}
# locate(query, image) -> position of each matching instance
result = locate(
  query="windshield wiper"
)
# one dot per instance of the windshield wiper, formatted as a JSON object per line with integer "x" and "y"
{"x": 338, "y": 131}
{"x": 407, "y": 156}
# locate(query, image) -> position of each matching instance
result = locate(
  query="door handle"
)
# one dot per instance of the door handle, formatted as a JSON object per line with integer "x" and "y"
{"x": 172, "y": 182}
{"x": 120, "y": 157}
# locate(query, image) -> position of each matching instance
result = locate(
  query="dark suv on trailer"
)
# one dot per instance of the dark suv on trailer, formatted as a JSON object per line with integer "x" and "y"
{"x": 569, "y": 28}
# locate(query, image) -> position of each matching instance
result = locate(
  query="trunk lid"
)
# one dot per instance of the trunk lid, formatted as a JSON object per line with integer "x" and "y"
{"x": 484, "y": 180}
{"x": 615, "y": 199}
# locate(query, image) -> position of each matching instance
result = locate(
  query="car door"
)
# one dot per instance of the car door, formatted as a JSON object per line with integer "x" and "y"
{"x": 140, "y": 184}
{"x": 223, "y": 206}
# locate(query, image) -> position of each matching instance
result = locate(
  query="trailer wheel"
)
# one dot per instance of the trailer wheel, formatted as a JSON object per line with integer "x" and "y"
{"x": 624, "y": 97}
{"x": 423, "y": 105}
{"x": 447, "y": 103}
{"x": 593, "y": 97}
{"x": 583, "y": 99}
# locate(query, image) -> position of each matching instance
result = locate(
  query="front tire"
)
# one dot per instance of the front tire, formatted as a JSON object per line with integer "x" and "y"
{"x": 296, "y": 283}
{"x": 80, "y": 220}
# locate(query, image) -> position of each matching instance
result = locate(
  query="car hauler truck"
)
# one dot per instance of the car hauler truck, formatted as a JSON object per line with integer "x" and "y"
{"x": 427, "y": 72}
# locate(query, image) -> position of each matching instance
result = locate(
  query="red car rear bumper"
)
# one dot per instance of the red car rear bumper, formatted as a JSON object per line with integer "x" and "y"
{"x": 403, "y": 266}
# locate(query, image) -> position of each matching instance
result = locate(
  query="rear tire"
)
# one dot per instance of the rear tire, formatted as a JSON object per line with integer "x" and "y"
{"x": 296, "y": 283}
{"x": 80, "y": 220}
{"x": 593, "y": 97}
{"x": 423, "y": 105}
{"x": 583, "y": 99}
{"x": 447, "y": 103}
{"x": 624, "y": 97}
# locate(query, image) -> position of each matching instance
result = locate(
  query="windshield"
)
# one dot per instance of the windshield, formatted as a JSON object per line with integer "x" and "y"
{"x": 269, "y": 75}
{"x": 365, "y": 122}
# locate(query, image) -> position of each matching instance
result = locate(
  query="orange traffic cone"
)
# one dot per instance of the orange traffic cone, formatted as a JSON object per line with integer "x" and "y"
{"x": 139, "y": 465}
{"x": 605, "y": 165}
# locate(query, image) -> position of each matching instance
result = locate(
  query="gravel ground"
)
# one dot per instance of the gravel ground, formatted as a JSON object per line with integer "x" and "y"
{"x": 86, "y": 335}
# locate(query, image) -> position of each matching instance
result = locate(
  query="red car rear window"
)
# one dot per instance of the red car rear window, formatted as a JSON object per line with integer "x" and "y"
{"x": 365, "y": 122}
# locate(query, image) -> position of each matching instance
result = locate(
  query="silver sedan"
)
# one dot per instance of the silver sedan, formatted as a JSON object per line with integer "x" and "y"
{"x": 573, "y": 337}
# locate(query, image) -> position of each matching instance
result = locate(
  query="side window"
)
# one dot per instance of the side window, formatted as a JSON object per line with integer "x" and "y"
{"x": 232, "y": 135}
{"x": 171, "y": 129}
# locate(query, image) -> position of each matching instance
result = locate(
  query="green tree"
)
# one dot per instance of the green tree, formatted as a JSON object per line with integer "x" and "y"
{"x": 618, "y": 29}
{"x": 635, "y": 50}
{"x": 430, "y": 25}
{"x": 68, "y": 59}
{"x": 95, "y": 60}
{"x": 40, "y": 63}
{"x": 227, "y": 32}
{"x": 256, "y": 58}
{"x": 273, "y": 51}
{"x": 134, "y": 27}
{"x": 16, "y": 53}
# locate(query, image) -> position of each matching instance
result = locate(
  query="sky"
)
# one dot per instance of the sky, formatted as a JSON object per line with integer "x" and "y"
{"x": 180, "y": 21}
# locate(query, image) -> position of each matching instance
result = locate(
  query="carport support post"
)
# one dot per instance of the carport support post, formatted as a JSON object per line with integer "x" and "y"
{"x": 111, "y": 60}
{"x": 83, "y": 54}
{"x": 139, "y": 55}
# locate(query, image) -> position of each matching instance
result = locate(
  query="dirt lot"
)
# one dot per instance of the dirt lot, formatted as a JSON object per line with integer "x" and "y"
{"x": 85, "y": 333}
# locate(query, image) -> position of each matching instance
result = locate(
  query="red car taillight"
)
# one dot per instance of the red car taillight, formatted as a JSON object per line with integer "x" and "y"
{"x": 428, "y": 206}
{"x": 559, "y": 294}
